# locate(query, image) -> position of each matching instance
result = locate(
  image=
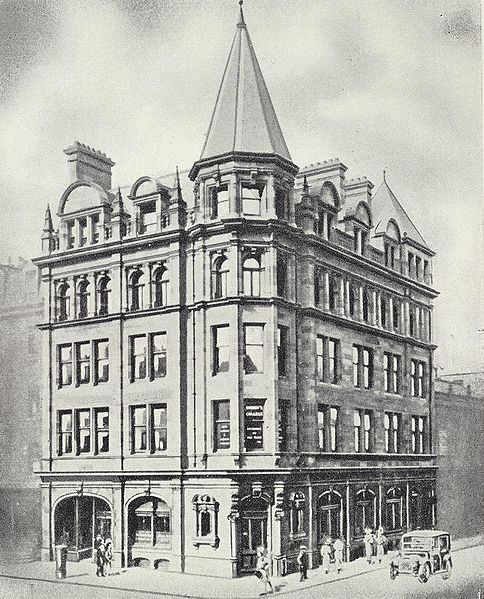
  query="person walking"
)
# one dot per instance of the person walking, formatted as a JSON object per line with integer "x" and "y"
{"x": 262, "y": 569}
{"x": 303, "y": 562}
{"x": 369, "y": 539}
{"x": 380, "y": 541}
{"x": 108, "y": 556}
{"x": 338, "y": 547}
{"x": 326, "y": 555}
{"x": 100, "y": 559}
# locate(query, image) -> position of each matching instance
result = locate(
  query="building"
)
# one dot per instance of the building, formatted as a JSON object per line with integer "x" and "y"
{"x": 473, "y": 380}
{"x": 20, "y": 311}
{"x": 247, "y": 364}
{"x": 459, "y": 414}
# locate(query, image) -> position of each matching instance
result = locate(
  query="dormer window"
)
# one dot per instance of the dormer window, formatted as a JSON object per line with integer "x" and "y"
{"x": 390, "y": 252}
{"x": 147, "y": 217}
{"x": 360, "y": 240}
{"x": 95, "y": 228}
{"x": 325, "y": 223}
{"x": 219, "y": 201}
{"x": 251, "y": 198}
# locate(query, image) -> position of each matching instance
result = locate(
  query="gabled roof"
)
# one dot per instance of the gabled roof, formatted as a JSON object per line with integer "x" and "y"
{"x": 244, "y": 119}
{"x": 385, "y": 206}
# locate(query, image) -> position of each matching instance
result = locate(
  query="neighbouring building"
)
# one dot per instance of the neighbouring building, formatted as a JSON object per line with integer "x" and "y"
{"x": 20, "y": 374}
{"x": 237, "y": 355}
{"x": 459, "y": 445}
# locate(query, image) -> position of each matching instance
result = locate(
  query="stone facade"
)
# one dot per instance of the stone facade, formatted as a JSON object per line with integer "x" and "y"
{"x": 250, "y": 364}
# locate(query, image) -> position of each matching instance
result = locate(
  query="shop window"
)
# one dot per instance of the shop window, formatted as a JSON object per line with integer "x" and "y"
{"x": 220, "y": 270}
{"x": 220, "y": 349}
{"x": 252, "y": 276}
{"x": 296, "y": 514}
{"x": 365, "y": 506}
{"x": 160, "y": 287}
{"x": 253, "y": 348}
{"x": 206, "y": 521}
{"x": 254, "y": 425}
{"x": 221, "y": 425}
{"x": 151, "y": 524}
{"x": 392, "y": 424}
{"x": 328, "y": 427}
{"x": 101, "y": 361}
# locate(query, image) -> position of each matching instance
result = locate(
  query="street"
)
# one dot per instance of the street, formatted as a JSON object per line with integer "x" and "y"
{"x": 466, "y": 582}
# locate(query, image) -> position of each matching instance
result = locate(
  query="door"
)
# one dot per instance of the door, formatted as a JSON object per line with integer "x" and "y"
{"x": 253, "y": 532}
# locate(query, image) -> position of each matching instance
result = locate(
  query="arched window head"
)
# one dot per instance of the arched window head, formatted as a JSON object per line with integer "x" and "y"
{"x": 136, "y": 284}
{"x": 329, "y": 195}
{"x": 103, "y": 295}
{"x": 82, "y": 297}
{"x": 206, "y": 523}
{"x": 220, "y": 269}
{"x": 63, "y": 301}
{"x": 160, "y": 286}
{"x": 252, "y": 275}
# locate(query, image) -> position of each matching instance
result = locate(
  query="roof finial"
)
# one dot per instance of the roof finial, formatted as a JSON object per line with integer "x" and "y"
{"x": 384, "y": 176}
{"x": 241, "y": 22}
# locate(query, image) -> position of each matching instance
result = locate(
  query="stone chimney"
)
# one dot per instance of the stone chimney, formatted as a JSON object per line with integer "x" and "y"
{"x": 88, "y": 164}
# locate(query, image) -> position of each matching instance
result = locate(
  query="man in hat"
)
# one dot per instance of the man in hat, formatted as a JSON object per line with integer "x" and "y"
{"x": 338, "y": 547}
{"x": 380, "y": 541}
{"x": 369, "y": 539}
{"x": 303, "y": 562}
{"x": 326, "y": 555}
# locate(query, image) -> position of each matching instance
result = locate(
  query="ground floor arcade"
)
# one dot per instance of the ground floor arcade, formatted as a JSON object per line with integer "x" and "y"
{"x": 214, "y": 522}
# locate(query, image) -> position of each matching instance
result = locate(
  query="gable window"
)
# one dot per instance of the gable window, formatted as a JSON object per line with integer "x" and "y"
{"x": 219, "y": 200}
{"x": 254, "y": 424}
{"x": 390, "y": 254}
{"x": 282, "y": 339}
{"x": 253, "y": 348}
{"x": 101, "y": 361}
{"x": 328, "y": 427}
{"x": 83, "y": 363}
{"x": 251, "y": 198}
{"x": 63, "y": 302}
{"x": 221, "y": 425}
{"x": 392, "y": 424}
{"x": 161, "y": 286}
{"x": 135, "y": 289}
{"x": 362, "y": 367}
{"x": 65, "y": 365}
{"x": 220, "y": 349}
{"x": 419, "y": 439}
{"x": 220, "y": 271}
{"x": 103, "y": 295}
{"x": 418, "y": 378}
{"x": 252, "y": 275}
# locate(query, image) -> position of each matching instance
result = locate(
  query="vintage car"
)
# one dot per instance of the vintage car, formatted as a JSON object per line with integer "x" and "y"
{"x": 422, "y": 553}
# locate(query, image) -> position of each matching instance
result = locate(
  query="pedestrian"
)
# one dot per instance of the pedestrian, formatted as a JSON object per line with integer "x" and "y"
{"x": 100, "y": 559}
{"x": 108, "y": 558}
{"x": 326, "y": 555}
{"x": 338, "y": 547}
{"x": 369, "y": 540}
{"x": 303, "y": 562}
{"x": 380, "y": 541}
{"x": 262, "y": 569}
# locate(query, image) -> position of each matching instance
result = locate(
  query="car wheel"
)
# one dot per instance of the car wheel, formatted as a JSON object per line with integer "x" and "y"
{"x": 448, "y": 570}
{"x": 393, "y": 573}
{"x": 424, "y": 572}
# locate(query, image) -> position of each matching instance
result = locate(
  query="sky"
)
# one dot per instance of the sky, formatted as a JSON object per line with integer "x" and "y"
{"x": 380, "y": 84}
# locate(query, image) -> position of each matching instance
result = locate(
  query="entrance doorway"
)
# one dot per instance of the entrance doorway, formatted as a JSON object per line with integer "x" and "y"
{"x": 330, "y": 516}
{"x": 253, "y": 531}
{"x": 77, "y": 521}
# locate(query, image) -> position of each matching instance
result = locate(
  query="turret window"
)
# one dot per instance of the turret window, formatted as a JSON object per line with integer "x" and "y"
{"x": 282, "y": 201}
{"x": 220, "y": 271}
{"x": 219, "y": 201}
{"x": 252, "y": 275}
{"x": 251, "y": 198}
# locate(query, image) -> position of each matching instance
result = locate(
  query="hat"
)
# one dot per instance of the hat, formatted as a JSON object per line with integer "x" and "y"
{"x": 302, "y": 547}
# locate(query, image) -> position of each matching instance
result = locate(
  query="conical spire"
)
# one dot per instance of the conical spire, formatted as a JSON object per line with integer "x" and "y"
{"x": 244, "y": 119}
{"x": 177, "y": 194}
{"x": 48, "y": 226}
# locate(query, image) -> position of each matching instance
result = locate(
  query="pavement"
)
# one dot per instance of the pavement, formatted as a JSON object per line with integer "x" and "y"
{"x": 148, "y": 582}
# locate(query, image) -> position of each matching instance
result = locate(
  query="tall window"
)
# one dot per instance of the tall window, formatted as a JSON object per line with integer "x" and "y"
{"x": 419, "y": 440}
{"x": 366, "y": 306}
{"x": 333, "y": 294}
{"x": 65, "y": 365}
{"x": 95, "y": 228}
{"x": 396, "y": 315}
{"x": 296, "y": 515}
{"x": 149, "y": 432}
{"x": 219, "y": 200}
{"x": 328, "y": 359}
{"x": 383, "y": 312}
{"x": 220, "y": 271}
{"x": 325, "y": 223}
{"x": 157, "y": 355}
{"x": 252, "y": 275}
{"x": 282, "y": 349}
{"x": 391, "y": 369}
{"x": 253, "y": 348}
{"x": 392, "y": 424}
{"x": 161, "y": 287}
{"x": 390, "y": 254}
{"x": 363, "y": 423}
{"x": 136, "y": 286}
{"x": 63, "y": 302}
{"x": 220, "y": 349}
{"x": 362, "y": 367}
{"x": 254, "y": 424}
{"x": 101, "y": 360}
{"x": 102, "y": 430}
{"x": 394, "y": 509}
{"x": 83, "y": 363}
{"x": 138, "y": 357}
{"x": 103, "y": 296}
{"x": 418, "y": 378}
{"x": 147, "y": 217}
{"x": 147, "y": 356}
{"x": 251, "y": 198}
{"x": 328, "y": 427}
{"x": 365, "y": 504}
{"x": 221, "y": 425}
{"x": 352, "y": 301}
{"x": 317, "y": 286}
{"x": 282, "y": 204}
{"x": 82, "y": 231}
{"x": 65, "y": 432}
{"x": 70, "y": 234}
{"x": 83, "y": 431}
{"x": 281, "y": 275}
{"x": 83, "y": 298}
{"x": 283, "y": 423}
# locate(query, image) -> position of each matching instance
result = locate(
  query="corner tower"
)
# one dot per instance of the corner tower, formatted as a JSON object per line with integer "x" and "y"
{"x": 245, "y": 168}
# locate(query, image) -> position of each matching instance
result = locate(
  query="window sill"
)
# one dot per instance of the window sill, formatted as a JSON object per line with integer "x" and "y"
{"x": 208, "y": 540}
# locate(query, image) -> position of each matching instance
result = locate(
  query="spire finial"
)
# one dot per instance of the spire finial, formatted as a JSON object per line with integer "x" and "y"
{"x": 384, "y": 175}
{"x": 241, "y": 22}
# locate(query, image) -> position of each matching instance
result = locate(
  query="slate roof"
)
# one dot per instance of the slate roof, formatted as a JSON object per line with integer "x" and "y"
{"x": 244, "y": 119}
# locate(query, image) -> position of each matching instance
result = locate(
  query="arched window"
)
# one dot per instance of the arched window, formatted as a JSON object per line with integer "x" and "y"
{"x": 103, "y": 295}
{"x": 296, "y": 515}
{"x": 329, "y": 515}
{"x": 63, "y": 301}
{"x": 206, "y": 523}
{"x": 394, "y": 508}
{"x": 252, "y": 275}
{"x": 365, "y": 511}
{"x": 160, "y": 287}
{"x": 135, "y": 288}
{"x": 82, "y": 298}
{"x": 366, "y": 306}
{"x": 150, "y": 523}
{"x": 220, "y": 269}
